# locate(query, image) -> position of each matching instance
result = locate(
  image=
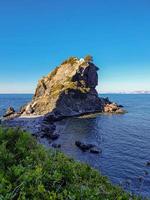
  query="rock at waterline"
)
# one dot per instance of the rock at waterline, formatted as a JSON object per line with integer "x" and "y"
{"x": 92, "y": 148}
{"x": 48, "y": 128}
{"x": 51, "y": 136}
{"x": 148, "y": 163}
{"x": 83, "y": 146}
{"x": 10, "y": 111}
{"x": 95, "y": 150}
{"x": 110, "y": 107}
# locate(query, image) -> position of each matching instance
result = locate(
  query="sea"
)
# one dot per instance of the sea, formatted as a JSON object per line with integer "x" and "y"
{"x": 124, "y": 139}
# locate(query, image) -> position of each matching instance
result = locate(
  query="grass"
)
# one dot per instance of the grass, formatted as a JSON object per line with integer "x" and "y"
{"x": 53, "y": 73}
{"x": 28, "y": 171}
{"x": 67, "y": 86}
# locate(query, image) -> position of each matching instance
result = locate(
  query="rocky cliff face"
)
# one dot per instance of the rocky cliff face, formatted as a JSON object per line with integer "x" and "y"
{"x": 67, "y": 91}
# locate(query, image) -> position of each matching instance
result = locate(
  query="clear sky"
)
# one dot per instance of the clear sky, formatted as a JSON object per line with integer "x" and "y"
{"x": 37, "y": 35}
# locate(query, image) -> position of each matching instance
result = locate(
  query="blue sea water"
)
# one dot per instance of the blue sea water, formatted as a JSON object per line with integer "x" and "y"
{"x": 124, "y": 139}
{"x": 13, "y": 100}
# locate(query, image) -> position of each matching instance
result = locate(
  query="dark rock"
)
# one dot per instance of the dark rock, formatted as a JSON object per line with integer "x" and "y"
{"x": 49, "y": 118}
{"x": 10, "y": 111}
{"x": 84, "y": 146}
{"x": 22, "y": 109}
{"x": 148, "y": 163}
{"x": 95, "y": 150}
{"x": 120, "y": 106}
{"x": 56, "y": 145}
{"x": 49, "y": 128}
{"x": 140, "y": 178}
{"x": 106, "y": 100}
{"x": 50, "y": 135}
{"x": 54, "y": 136}
{"x": 146, "y": 173}
{"x": 88, "y": 147}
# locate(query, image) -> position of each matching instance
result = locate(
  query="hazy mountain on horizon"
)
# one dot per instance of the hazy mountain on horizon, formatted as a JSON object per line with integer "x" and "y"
{"x": 128, "y": 92}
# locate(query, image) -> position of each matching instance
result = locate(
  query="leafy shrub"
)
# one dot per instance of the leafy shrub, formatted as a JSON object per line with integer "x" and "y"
{"x": 64, "y": 62}
{"x": 29, "y": 171}
{"x": 88, "y": 58}
{"x": 71, "y": 60}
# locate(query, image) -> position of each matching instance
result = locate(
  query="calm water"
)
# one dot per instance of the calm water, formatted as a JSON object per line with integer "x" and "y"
{"x": 124, "y": 139}
{"x": 14, "y": 100}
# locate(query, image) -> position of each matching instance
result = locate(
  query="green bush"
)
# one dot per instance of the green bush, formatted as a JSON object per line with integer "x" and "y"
{"x": 88, "y": 58}
{"x": 71, "y": 60}
{"x": 30, "y": 172}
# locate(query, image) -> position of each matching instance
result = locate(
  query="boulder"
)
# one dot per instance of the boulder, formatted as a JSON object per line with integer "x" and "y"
{"x": 10, "y": 111}
{"x": 83, "y": 146}
{"x": 120, "y": 106}
{"x": 29, "y": 109}
{"x": 113, "y": 108}
{"x": 95, "y": 150}
{"x": 148, "y": 163}
{"x": 48, "y": 128}
{"x": 54, "y": 136}
{"x": 50, "y": 135}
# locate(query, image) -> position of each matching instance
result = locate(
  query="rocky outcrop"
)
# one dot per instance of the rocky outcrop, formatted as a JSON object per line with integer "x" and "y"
{"x": 10, "y": 111}
{"x": 113, "y": 108}
{"x": 68, "y": 90}
{"x": 92, "y": 148}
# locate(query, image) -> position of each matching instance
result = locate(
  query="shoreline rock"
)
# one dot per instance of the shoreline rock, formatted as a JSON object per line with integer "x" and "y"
{"x": 10, "y": 111}
{"x": 92, "y": 148}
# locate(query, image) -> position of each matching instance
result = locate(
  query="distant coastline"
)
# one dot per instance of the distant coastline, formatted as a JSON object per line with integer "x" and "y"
{"x": 127, "y": 92}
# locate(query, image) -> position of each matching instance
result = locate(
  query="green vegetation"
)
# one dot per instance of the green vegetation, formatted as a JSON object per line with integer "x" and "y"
{"x": 88, "y": 58}
{"x": 53, "y": 73}
{"x": 30, "y": 172}
{"x": 71, "y": 60}
{"x": 69, "y": 85}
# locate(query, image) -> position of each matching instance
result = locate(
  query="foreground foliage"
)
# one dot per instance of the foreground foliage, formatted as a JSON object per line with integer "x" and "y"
{"x": 29, "y": 171}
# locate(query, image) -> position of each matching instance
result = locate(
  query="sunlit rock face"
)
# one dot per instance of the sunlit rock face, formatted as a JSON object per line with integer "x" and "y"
{"x": 67, "y": 91}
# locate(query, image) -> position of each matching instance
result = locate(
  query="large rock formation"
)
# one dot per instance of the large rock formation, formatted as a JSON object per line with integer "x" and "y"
{"x": 67, "y": 91}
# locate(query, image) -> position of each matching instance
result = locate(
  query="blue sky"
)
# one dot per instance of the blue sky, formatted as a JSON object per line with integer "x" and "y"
{"x": 37, "y": 35}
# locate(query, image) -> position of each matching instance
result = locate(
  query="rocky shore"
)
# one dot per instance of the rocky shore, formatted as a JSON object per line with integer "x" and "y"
{"x": 68, "y": 91}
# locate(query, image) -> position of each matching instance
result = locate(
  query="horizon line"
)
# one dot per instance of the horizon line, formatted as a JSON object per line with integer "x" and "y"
{"x": 109, "y": 92}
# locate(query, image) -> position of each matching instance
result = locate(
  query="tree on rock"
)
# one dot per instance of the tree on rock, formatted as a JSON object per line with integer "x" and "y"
{"x": 88, "y": 58}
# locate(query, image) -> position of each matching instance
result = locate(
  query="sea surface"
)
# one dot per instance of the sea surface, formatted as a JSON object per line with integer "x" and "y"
{"x": 124, "y": 139}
